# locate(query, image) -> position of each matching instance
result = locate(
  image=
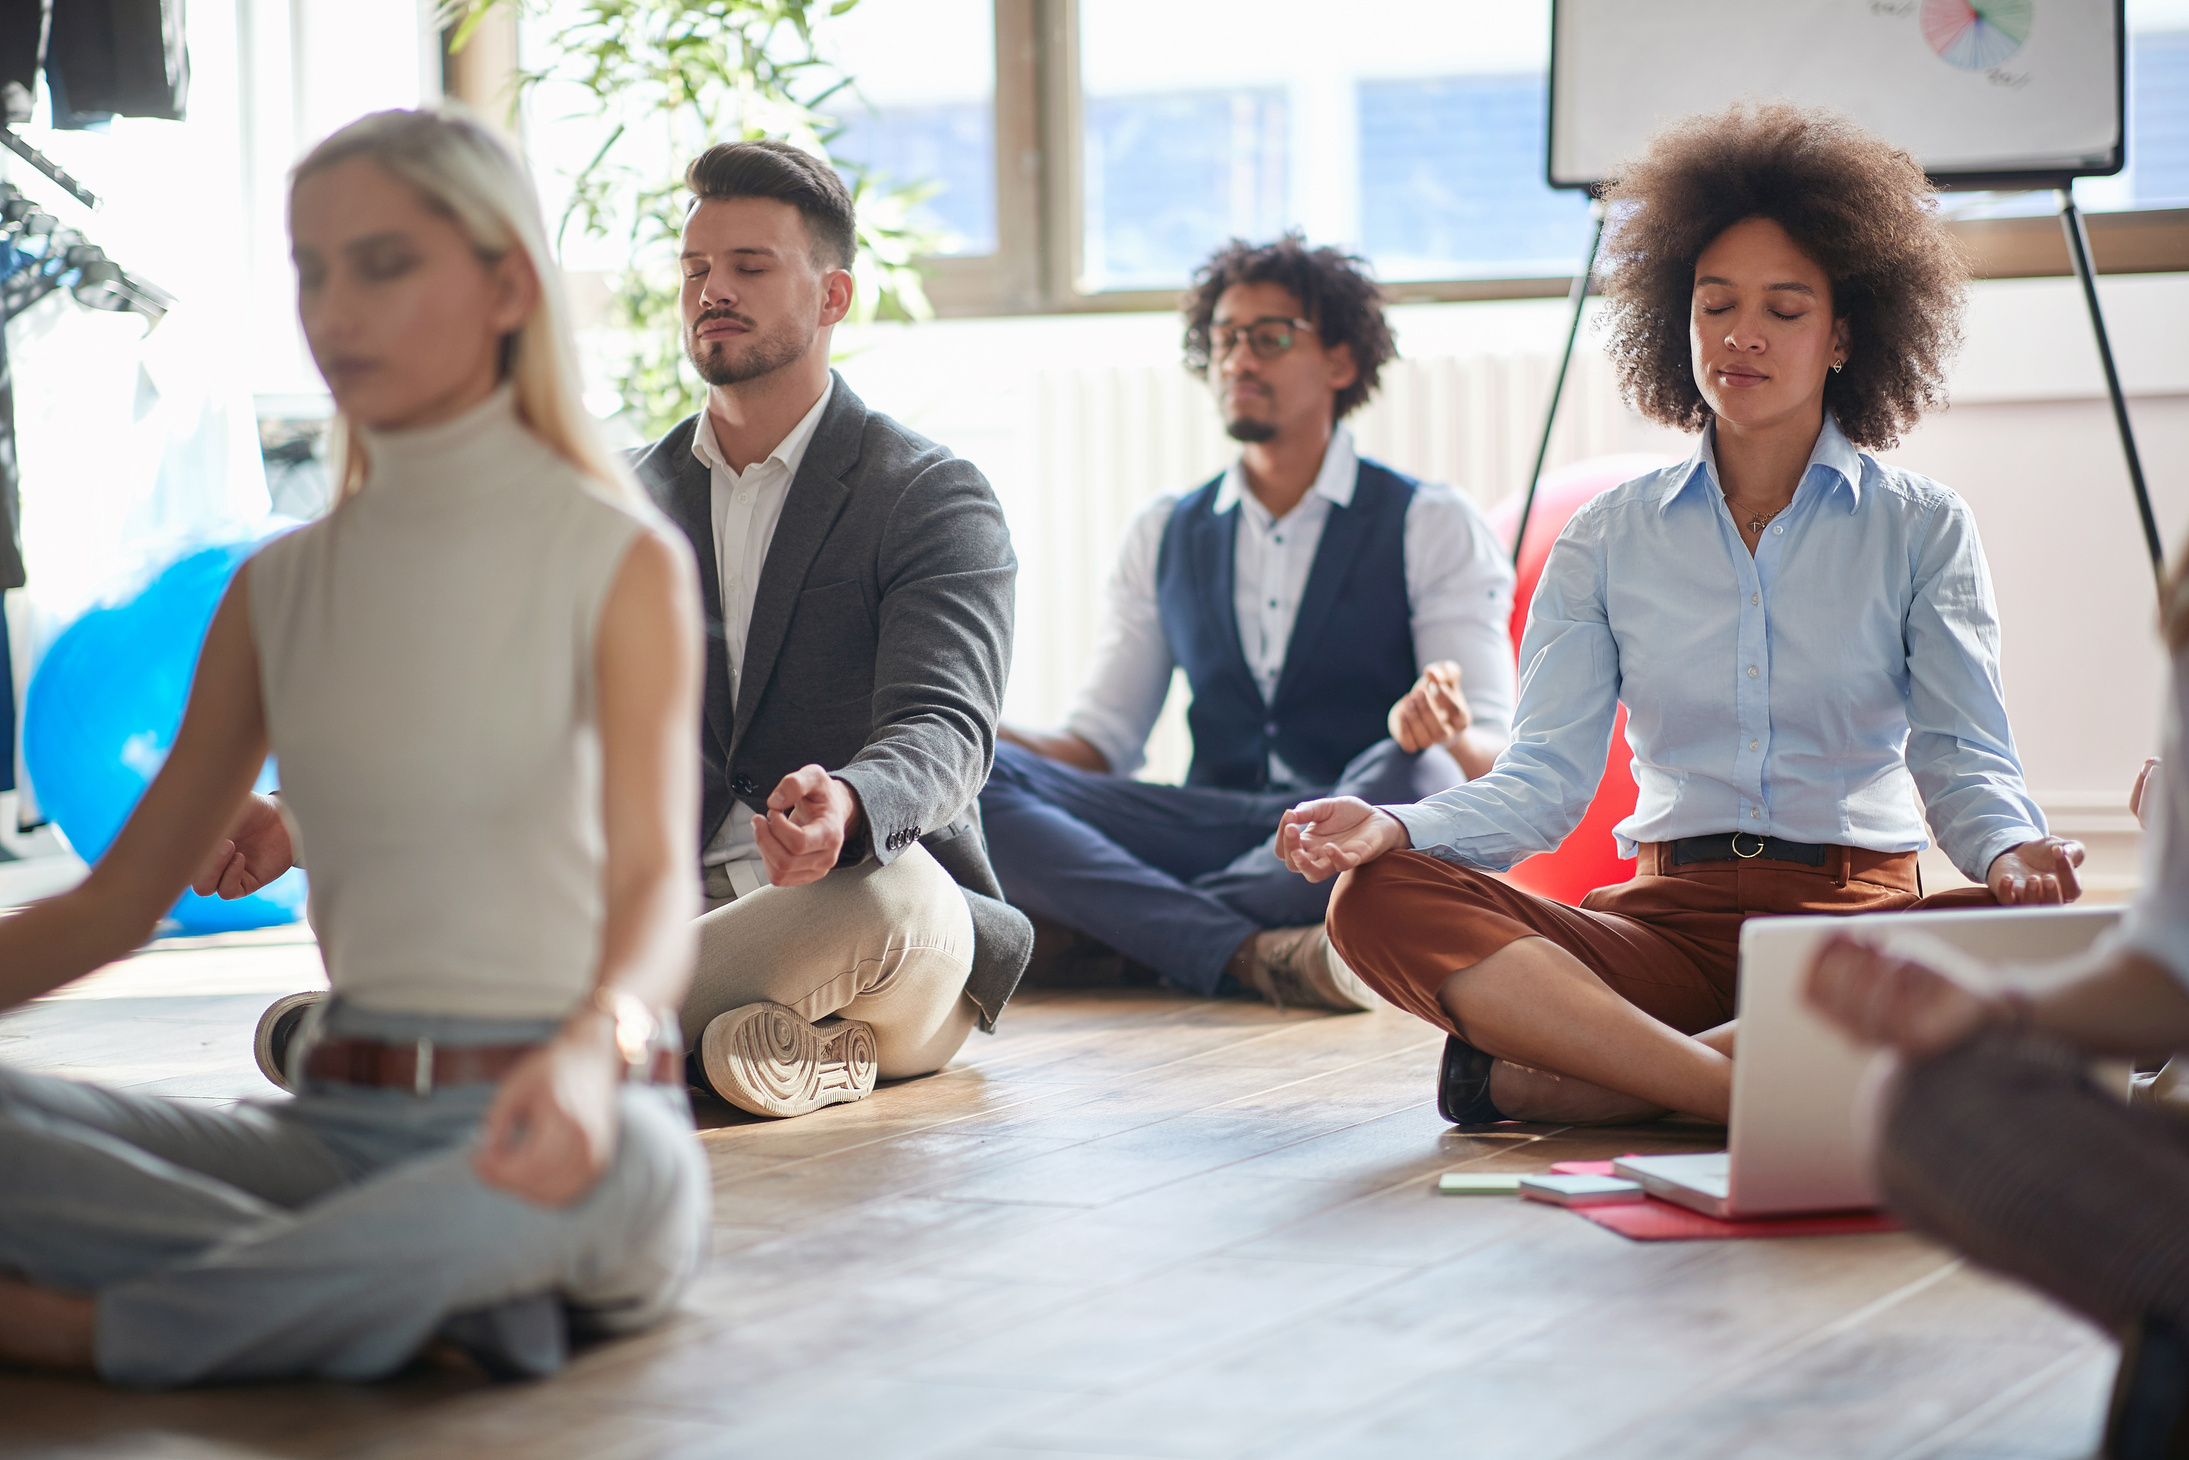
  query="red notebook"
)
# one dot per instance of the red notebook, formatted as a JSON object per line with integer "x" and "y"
{"x": 1652, "y": 1220}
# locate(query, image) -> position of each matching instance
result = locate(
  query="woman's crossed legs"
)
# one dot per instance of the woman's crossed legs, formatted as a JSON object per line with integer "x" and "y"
{"x": 168, "y": 1244}
{"x": 1617, "y": 1010}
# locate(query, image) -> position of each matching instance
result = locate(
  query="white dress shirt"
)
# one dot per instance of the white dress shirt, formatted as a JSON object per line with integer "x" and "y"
{"x": 746, "y": 507}
{"x": 1459, "y": 589}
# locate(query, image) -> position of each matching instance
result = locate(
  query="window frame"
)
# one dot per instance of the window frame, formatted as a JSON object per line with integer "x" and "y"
{"x": 1038, "y": 265}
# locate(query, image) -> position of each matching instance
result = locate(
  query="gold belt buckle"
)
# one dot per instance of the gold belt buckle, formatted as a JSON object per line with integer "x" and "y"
{"x": 1747, "y": 856}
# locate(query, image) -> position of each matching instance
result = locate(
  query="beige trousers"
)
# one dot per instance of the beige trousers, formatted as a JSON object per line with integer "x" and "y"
{"x": 887, "y": 945}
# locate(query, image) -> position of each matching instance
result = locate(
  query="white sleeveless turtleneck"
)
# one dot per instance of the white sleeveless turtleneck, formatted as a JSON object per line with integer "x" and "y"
{"x": 426, "y": 655}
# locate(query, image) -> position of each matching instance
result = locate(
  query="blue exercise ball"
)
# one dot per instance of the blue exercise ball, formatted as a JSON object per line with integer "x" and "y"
{"x": 103, "y": 709}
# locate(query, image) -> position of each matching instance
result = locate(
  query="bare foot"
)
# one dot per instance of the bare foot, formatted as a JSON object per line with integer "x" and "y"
{"x": 1521, "y": 1093}
{"x": 44, "y": 1330}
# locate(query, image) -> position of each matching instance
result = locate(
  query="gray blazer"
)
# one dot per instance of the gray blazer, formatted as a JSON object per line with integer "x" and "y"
{"x": 879, "y": 647}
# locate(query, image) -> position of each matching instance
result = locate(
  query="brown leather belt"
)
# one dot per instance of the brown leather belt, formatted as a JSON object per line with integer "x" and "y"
{"x": 421, "y": 1067}
{"x": 1890, "y": 869}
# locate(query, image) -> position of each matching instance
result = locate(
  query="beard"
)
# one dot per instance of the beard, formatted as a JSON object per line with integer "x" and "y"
{"x": 764, "y": 353}
{"x": 1249, "y": 430}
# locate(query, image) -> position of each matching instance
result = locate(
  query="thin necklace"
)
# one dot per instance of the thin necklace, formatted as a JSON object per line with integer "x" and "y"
{"x": 1757, "y": 521}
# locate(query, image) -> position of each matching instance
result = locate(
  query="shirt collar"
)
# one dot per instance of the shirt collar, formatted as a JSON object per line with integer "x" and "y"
{"x": 1833, "y": 452}
{"x": 790, "y": 451}
{"x": 1334, "y": 482}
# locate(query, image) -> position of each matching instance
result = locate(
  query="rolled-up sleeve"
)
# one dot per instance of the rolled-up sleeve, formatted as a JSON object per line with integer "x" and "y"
{"x": 1960, "y": 746}
{"x": 1459, "y": 585}
{"x": 1131, "y": 676}
{"x": 1568, "y": 698}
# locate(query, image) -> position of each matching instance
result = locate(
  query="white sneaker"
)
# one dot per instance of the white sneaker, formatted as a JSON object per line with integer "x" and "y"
{"x": 765, "y": 1059}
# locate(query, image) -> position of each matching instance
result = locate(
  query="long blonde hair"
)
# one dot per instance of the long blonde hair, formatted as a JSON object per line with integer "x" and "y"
{"x": 466, "y": 173}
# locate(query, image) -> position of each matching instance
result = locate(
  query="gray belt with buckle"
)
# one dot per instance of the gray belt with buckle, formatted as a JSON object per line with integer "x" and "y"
{"x": 1744, "y": 846}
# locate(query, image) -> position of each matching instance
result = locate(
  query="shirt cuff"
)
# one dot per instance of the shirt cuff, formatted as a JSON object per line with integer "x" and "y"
{"x": 1989, "y": 849}
{"x": 1425, "y": 829}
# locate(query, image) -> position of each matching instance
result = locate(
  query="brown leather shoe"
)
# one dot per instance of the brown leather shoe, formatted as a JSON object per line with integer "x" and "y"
{"x": 1298, "y": 966}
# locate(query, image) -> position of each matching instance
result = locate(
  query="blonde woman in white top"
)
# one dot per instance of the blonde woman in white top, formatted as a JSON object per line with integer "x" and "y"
{"x": 477, "y": 671}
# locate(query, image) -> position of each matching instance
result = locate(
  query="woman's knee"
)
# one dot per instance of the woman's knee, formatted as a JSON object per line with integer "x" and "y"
{"x": 658, "y": 1183}
{"x": 647, "y": 1220}
{"x": 1362, "y": 902}
{"x": 1388, "y": 901}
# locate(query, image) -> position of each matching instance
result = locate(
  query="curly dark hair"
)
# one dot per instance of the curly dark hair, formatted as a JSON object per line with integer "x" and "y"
{"x": 1856, "y": 205}
{"x": 1337, "y": 292}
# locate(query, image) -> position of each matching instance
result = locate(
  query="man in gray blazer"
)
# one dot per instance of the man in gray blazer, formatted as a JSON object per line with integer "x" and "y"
{"x": 857, "y": 583}
{"x": 857, "y": 580}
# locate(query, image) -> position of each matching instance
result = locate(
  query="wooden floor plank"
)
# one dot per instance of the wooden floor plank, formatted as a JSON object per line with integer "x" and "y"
{"x": 1133, "y": 1224}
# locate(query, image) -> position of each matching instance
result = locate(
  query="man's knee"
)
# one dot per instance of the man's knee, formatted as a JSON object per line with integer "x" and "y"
{"x": 914, "y": 895}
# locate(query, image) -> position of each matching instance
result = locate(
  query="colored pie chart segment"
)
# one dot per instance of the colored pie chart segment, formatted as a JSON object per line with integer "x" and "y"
{"x": 1977, "y": 35}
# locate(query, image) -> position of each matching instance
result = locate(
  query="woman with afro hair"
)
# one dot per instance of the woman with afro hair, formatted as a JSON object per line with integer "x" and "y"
{"x": 1804, "y": 638}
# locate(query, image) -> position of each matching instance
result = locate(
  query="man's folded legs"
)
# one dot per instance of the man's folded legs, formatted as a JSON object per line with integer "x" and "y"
{"x": 1183, "y": 879}
{"x": 804, "y": 996}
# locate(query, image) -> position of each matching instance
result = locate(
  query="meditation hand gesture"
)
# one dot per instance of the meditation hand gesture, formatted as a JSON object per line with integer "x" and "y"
{"x": 1880, "y": 998}
{"x": 255, "y": 851}
{"x": 551, "y": 1131}
{"x": 1433, "y": 711}
{"x": 1320, "y": 839}
{"x": 810, "y": 816}
{"x": 2144, "y": 795}
{"x": 2038, "y": 871}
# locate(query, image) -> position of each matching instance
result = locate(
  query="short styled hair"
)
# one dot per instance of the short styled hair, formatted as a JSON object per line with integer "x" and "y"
{"x": 1337, "y": 293}
{"x": 1856, "y": 205}
{"x": 771, "y": 169}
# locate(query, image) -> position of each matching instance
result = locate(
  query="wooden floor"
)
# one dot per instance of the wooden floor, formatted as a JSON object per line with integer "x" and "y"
{"x": 1135, "y": 1225}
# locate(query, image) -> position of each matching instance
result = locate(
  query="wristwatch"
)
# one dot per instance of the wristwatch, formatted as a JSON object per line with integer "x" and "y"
{"x": 634, "y": 1024}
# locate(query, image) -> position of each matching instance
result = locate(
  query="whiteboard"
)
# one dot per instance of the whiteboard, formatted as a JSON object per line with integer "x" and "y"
{"x": 1980, "y": 92}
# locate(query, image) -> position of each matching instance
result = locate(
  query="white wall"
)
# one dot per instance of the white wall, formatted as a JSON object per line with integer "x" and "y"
{"x": 1079, "y": 421}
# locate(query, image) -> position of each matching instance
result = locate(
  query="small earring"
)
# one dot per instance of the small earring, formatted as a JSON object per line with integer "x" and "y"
{"x": 1838, "y": 365}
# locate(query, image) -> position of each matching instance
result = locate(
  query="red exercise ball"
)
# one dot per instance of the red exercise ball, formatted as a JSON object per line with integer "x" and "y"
{"x": 1589, "y": 858}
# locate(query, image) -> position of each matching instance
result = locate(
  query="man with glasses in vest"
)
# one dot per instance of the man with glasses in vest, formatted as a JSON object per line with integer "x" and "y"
{"x": 1340, "y": 625}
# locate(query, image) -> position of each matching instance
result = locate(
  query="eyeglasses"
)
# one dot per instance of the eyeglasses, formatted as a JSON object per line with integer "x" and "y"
{"x": 1268, "y": 337}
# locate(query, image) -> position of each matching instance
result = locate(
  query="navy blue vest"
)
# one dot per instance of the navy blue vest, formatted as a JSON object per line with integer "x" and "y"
{"x": 1352, "y": 652}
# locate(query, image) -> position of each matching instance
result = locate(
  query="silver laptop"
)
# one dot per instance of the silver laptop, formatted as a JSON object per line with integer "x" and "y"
{"x": 1796, "y": 1079}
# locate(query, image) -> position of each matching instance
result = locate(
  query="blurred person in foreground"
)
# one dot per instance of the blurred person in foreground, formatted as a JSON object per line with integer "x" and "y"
{"x": 480, "y": 671}
{"x": 1994, "y": 1138}
{"x": 1343, "y": 628}
{"x": 1804, "y": 637}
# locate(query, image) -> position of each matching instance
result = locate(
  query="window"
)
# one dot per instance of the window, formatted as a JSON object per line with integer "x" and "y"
{"x": 1170, "y": 175}
{"x": 1394, "y": 128}
{"x": 1452, "y": 180}
{"x": 924, "y": 108}
{"x": 2158, "y": 119}
{"x": 1412, "y": 131}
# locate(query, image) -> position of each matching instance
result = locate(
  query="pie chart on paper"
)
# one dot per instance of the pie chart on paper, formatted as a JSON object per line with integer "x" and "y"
{"x": 1976, "y": 35}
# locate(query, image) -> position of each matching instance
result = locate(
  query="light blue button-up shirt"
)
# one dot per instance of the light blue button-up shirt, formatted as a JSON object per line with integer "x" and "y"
{"x": 1808, "y": 693}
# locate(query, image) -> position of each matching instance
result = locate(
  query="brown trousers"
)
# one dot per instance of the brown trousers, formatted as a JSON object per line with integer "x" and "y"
{"x": 1668, "y": 941}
